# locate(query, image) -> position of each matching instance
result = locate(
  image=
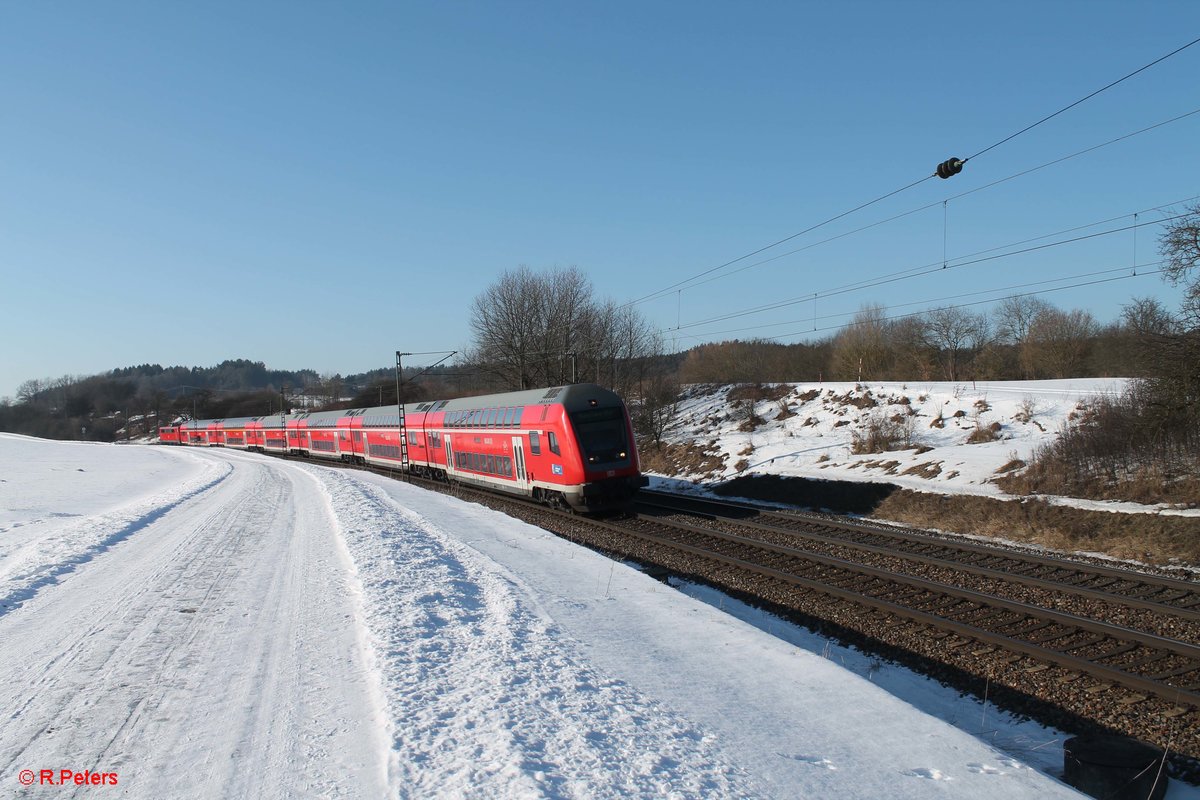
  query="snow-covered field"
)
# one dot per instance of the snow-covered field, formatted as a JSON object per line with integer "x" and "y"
{"x": 815, "y": 436}
{"x": 214, "y": 624}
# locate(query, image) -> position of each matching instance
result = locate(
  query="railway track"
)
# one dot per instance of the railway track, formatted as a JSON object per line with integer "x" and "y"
{"x": 1146, "y": 663}
{"x": 1128, "y": 588}
{"x": 1090, "y": 642}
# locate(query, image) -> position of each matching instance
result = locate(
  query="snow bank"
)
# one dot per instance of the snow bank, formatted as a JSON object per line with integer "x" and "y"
{"x": 233, "y": 625}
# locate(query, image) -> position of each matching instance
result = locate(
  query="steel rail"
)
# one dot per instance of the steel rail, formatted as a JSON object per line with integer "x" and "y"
{"x": 1111, "y": 674}
{"x": 985, "y": 572}
{"x": 971, "y": 547}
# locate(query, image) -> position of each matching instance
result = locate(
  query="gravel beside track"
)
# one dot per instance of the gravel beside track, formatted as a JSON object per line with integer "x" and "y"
{"x": 1017, "y": 682}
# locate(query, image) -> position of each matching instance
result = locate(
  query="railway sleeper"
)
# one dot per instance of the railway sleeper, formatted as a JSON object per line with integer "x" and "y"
{"x": 1176, "y": 672}
{"x": 1095, "y": 638}
{"x": 1018, "y": 632}
{"x": 1145, "y": 661}
{"x": 1051, "y": 636}
{"x": 1144, "y": 592}
{"x": 1121, "y": 649}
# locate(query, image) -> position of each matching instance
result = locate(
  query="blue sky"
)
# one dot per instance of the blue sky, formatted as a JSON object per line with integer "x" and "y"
{"x": 319, "y": 185}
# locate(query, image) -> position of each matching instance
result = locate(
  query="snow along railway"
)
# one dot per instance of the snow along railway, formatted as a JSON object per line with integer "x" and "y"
{"x": 211, "y": 623}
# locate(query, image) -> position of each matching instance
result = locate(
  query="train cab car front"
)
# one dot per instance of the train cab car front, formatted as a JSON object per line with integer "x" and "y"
{"x": 604, "y": 437}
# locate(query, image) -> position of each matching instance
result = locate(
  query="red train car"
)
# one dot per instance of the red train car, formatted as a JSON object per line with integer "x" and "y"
{"x": 569, "y": 446}
{"x": 168, "y": 434}
{"x": 194, "y": 433}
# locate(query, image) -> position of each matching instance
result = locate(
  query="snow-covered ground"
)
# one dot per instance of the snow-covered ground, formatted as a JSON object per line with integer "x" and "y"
{"x": 814, "y": 438}
{"x": 214, "y": 624}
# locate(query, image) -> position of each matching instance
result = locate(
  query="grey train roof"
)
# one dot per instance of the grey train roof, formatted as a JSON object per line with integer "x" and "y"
{"x": 575, "y": 397}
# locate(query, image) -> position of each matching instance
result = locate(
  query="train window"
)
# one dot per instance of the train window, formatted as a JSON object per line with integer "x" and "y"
{"x": 552, "y": 441}
{"x": 506, "y": 466}
{"x": 491, "y": 464}
{"x": 508, "y": 417}
{"x": 493, "y": 417}
{"x": 517, "y": 417}
{"x": 535, "y": 443}
{"x": 601, "y": 435}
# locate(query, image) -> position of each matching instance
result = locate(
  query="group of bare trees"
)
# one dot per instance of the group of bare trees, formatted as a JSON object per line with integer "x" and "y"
{"x": 1145, "y": 443}
{"x": 542, "y": 329}
{"x": 1023, "y": 337}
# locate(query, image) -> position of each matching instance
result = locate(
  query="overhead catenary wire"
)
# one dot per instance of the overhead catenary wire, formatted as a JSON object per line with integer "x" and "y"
{"x": 1083, "y": 99}
{"x": 946, "y": 169}
{"x": 1122, "y": 277}
{"x": 951, "y": 198}
{"x": 961, "y": 261}
{"x": 929, "y": 303}
{"x": 891, "y": 318}
{"x": 683, "y": 284}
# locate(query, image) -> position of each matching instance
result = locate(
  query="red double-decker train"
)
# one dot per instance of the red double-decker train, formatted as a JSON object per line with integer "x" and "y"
{"x": 569, "y": 446}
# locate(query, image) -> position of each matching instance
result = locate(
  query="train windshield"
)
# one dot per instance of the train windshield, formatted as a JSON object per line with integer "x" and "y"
{"x": 602, "y": 435}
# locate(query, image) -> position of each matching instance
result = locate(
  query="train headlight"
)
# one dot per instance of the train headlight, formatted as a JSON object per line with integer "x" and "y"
{"x": 621, "y": 454}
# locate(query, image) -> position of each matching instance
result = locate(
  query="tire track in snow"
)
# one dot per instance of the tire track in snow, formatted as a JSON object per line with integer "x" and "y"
{"x": 45, "y": 561}
{"x": 206, "y": 660}
{"x": 109, "y": 637}
{"x": 485, "y": 696}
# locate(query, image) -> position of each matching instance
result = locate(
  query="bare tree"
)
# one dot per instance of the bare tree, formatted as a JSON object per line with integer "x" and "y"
{"x": 1059, "y": 341}
{"x": 1148, "y": 317}
{"x": 541, "y": 330}
{"x": 505, "y": 321}
{"x": 955, "y": 333}
{"x": 30, "y": 391}
{"x": 913, "y": 357}
{"x": 1014, "y": 319}
{"x": 656, "y": 407}
{"x": 860, "y": 350}
{"x": 1180, "y": 247}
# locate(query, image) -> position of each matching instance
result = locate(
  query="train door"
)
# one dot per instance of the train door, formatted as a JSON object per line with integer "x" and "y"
{"x": 519, "y": 461}
{"x": 449, "y": 457}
